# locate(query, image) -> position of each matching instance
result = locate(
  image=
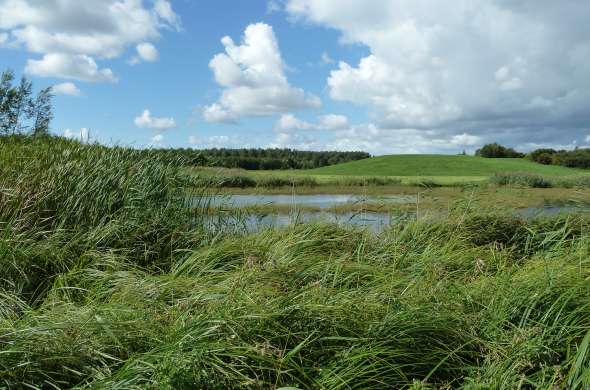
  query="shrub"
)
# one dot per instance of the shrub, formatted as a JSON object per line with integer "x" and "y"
{"x": 497, "y": 151}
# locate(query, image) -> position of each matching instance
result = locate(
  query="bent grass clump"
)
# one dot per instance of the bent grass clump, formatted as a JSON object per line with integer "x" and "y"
{"x": 110, "y": 281}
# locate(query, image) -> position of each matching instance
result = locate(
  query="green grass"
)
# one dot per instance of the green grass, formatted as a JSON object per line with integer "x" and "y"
{"x": 108, "y": 280}
{"x": 439, "y": 165}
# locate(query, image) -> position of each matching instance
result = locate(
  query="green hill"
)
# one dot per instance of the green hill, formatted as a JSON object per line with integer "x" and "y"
{"x": 440, "y": 165}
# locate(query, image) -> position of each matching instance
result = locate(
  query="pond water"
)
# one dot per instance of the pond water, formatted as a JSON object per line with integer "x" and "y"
{"x": 318, "y": 201}
{"x": 376, "y": 221}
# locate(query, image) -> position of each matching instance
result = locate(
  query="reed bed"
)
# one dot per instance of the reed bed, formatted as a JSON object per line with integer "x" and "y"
{"x": 109, "y": 280}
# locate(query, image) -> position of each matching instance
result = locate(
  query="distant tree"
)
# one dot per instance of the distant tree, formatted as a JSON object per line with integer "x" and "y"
{"x": 19, "y": 112}
{"x": 542, "y": 156}
{"x": 497, "y": 151}
{"x": 21, "y": 107}
{"x": 43, "y": 112}
{"x": 7, "y": 97}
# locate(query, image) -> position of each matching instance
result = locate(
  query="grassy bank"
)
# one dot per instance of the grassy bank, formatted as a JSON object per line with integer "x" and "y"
{"x": 109, "y": 280}
{"x": 309, "y": 179}
{"x": 440, "y": 165}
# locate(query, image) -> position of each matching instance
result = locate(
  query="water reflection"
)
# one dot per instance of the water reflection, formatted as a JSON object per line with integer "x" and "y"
{"x": 374, "y": 220}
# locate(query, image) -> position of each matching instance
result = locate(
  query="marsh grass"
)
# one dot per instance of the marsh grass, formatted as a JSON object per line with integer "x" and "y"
{"x": 537, "y": 181}
{"x": 108, "y": 281}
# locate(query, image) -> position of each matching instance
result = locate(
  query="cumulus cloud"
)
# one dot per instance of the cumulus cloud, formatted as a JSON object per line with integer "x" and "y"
{"x": 79, "y": 32}
{"x": 146, "y": 121}
{"x": 67, "y": 66}
{"x": 478, "y": 67}
{"x": 66, "y": 89}
{"x": 252, "y": 75}
{"x": 157, "y": 141}
{"x": 290, "y": 123}
{"x": 145, "y": 52}
{"x": 333, "y": 122}
{"x": 216, "y": 113}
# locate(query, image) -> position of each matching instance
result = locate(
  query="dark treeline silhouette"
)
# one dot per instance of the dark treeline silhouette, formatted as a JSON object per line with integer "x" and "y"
{"x": 256, "y": 159}
{"x": 20, "y": 111}
{"x": 578, "y": 158}
{"x": 497, "y": 151}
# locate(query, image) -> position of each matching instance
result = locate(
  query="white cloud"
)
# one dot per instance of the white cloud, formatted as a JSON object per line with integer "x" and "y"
{"x": 147, "y": 52}
{"x": 333, "y": 122}
{"x": 164, "y": 10}
{"x": 67, "y": 66}
{"x": 146, "y": 121}
{"x": 157, "y": 140}
{"x": 66, "y": 89}
{"x": 252, "y": 75}
{"x": 82, "y": 135}
{"x": 296, "y": 141}
{"x": 3, "y": 39}
{"x": 368, "y": 137}
{"x": 465, "y": 140}
{"x": 482, "y": 66}
{"x": 289, "y": 122}
{"x": 216, "y": 113}
{"x": 273, "y": 6}
{"x": 326, "y": 59}
{"x": 90, "y": 29}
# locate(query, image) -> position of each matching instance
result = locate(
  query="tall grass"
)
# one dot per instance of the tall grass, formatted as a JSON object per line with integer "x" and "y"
{"x": 121, "y": 296}
{"x": 528, "y": 180}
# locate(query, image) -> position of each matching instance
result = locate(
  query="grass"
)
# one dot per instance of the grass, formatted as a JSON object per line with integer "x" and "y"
{"x": 440, "y": 165}
{"x": 109, "y": 280}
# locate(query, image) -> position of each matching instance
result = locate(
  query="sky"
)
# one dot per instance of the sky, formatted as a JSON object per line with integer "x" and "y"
{"x": 382, "y": 76}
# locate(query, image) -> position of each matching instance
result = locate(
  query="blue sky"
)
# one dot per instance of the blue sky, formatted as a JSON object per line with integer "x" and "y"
{"x": 386, "y": 76}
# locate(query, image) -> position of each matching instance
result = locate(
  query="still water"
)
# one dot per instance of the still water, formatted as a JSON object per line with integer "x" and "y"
{"x": 376, "y": 221}
{"x": 317, "y": 201}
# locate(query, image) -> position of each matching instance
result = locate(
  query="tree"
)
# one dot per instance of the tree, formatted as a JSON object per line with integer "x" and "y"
{"x": 7, "y": 96}
{"x": 497, "y": 151}
{"x": 21, "y": 105}
{"x": 43, "y": 112}
{"x": 19, "y": 112}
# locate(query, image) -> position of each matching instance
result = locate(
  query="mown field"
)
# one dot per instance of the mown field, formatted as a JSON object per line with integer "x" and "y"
{"x": 440, "y": 165}
{"x": 110, "y": 279}
{"x": 406, "y": 170}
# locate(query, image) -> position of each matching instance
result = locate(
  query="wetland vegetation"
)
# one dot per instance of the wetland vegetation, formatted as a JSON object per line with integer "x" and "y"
{"x": 112, "y": 277}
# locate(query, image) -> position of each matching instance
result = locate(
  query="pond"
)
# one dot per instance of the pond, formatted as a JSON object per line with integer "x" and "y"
{"x": 316, "y": 208}
{"x": 323, "y": 201}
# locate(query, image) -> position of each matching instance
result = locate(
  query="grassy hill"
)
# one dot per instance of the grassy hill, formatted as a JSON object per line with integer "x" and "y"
{"x": 440, "y": 165}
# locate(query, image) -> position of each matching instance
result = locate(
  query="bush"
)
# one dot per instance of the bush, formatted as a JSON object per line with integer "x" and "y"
{"x": 497, "y": 151}
{"x": 542, "y": 156}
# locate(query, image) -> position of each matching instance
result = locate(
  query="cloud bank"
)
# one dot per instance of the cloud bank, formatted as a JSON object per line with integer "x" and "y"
{"x": 70, "y": 35}
{"x": 496, "y": 69}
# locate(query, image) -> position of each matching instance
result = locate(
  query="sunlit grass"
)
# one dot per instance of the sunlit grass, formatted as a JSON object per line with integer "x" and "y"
{"x": 108, "y": 281}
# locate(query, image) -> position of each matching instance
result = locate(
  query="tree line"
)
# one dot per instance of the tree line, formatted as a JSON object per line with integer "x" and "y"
{"x": 577, "y": 158}
{"x": 20, "y": 111}
{"x": 255, "y": 159}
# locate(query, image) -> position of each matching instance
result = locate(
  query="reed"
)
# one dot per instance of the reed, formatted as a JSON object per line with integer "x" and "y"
{"x": 109, "y": 278}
